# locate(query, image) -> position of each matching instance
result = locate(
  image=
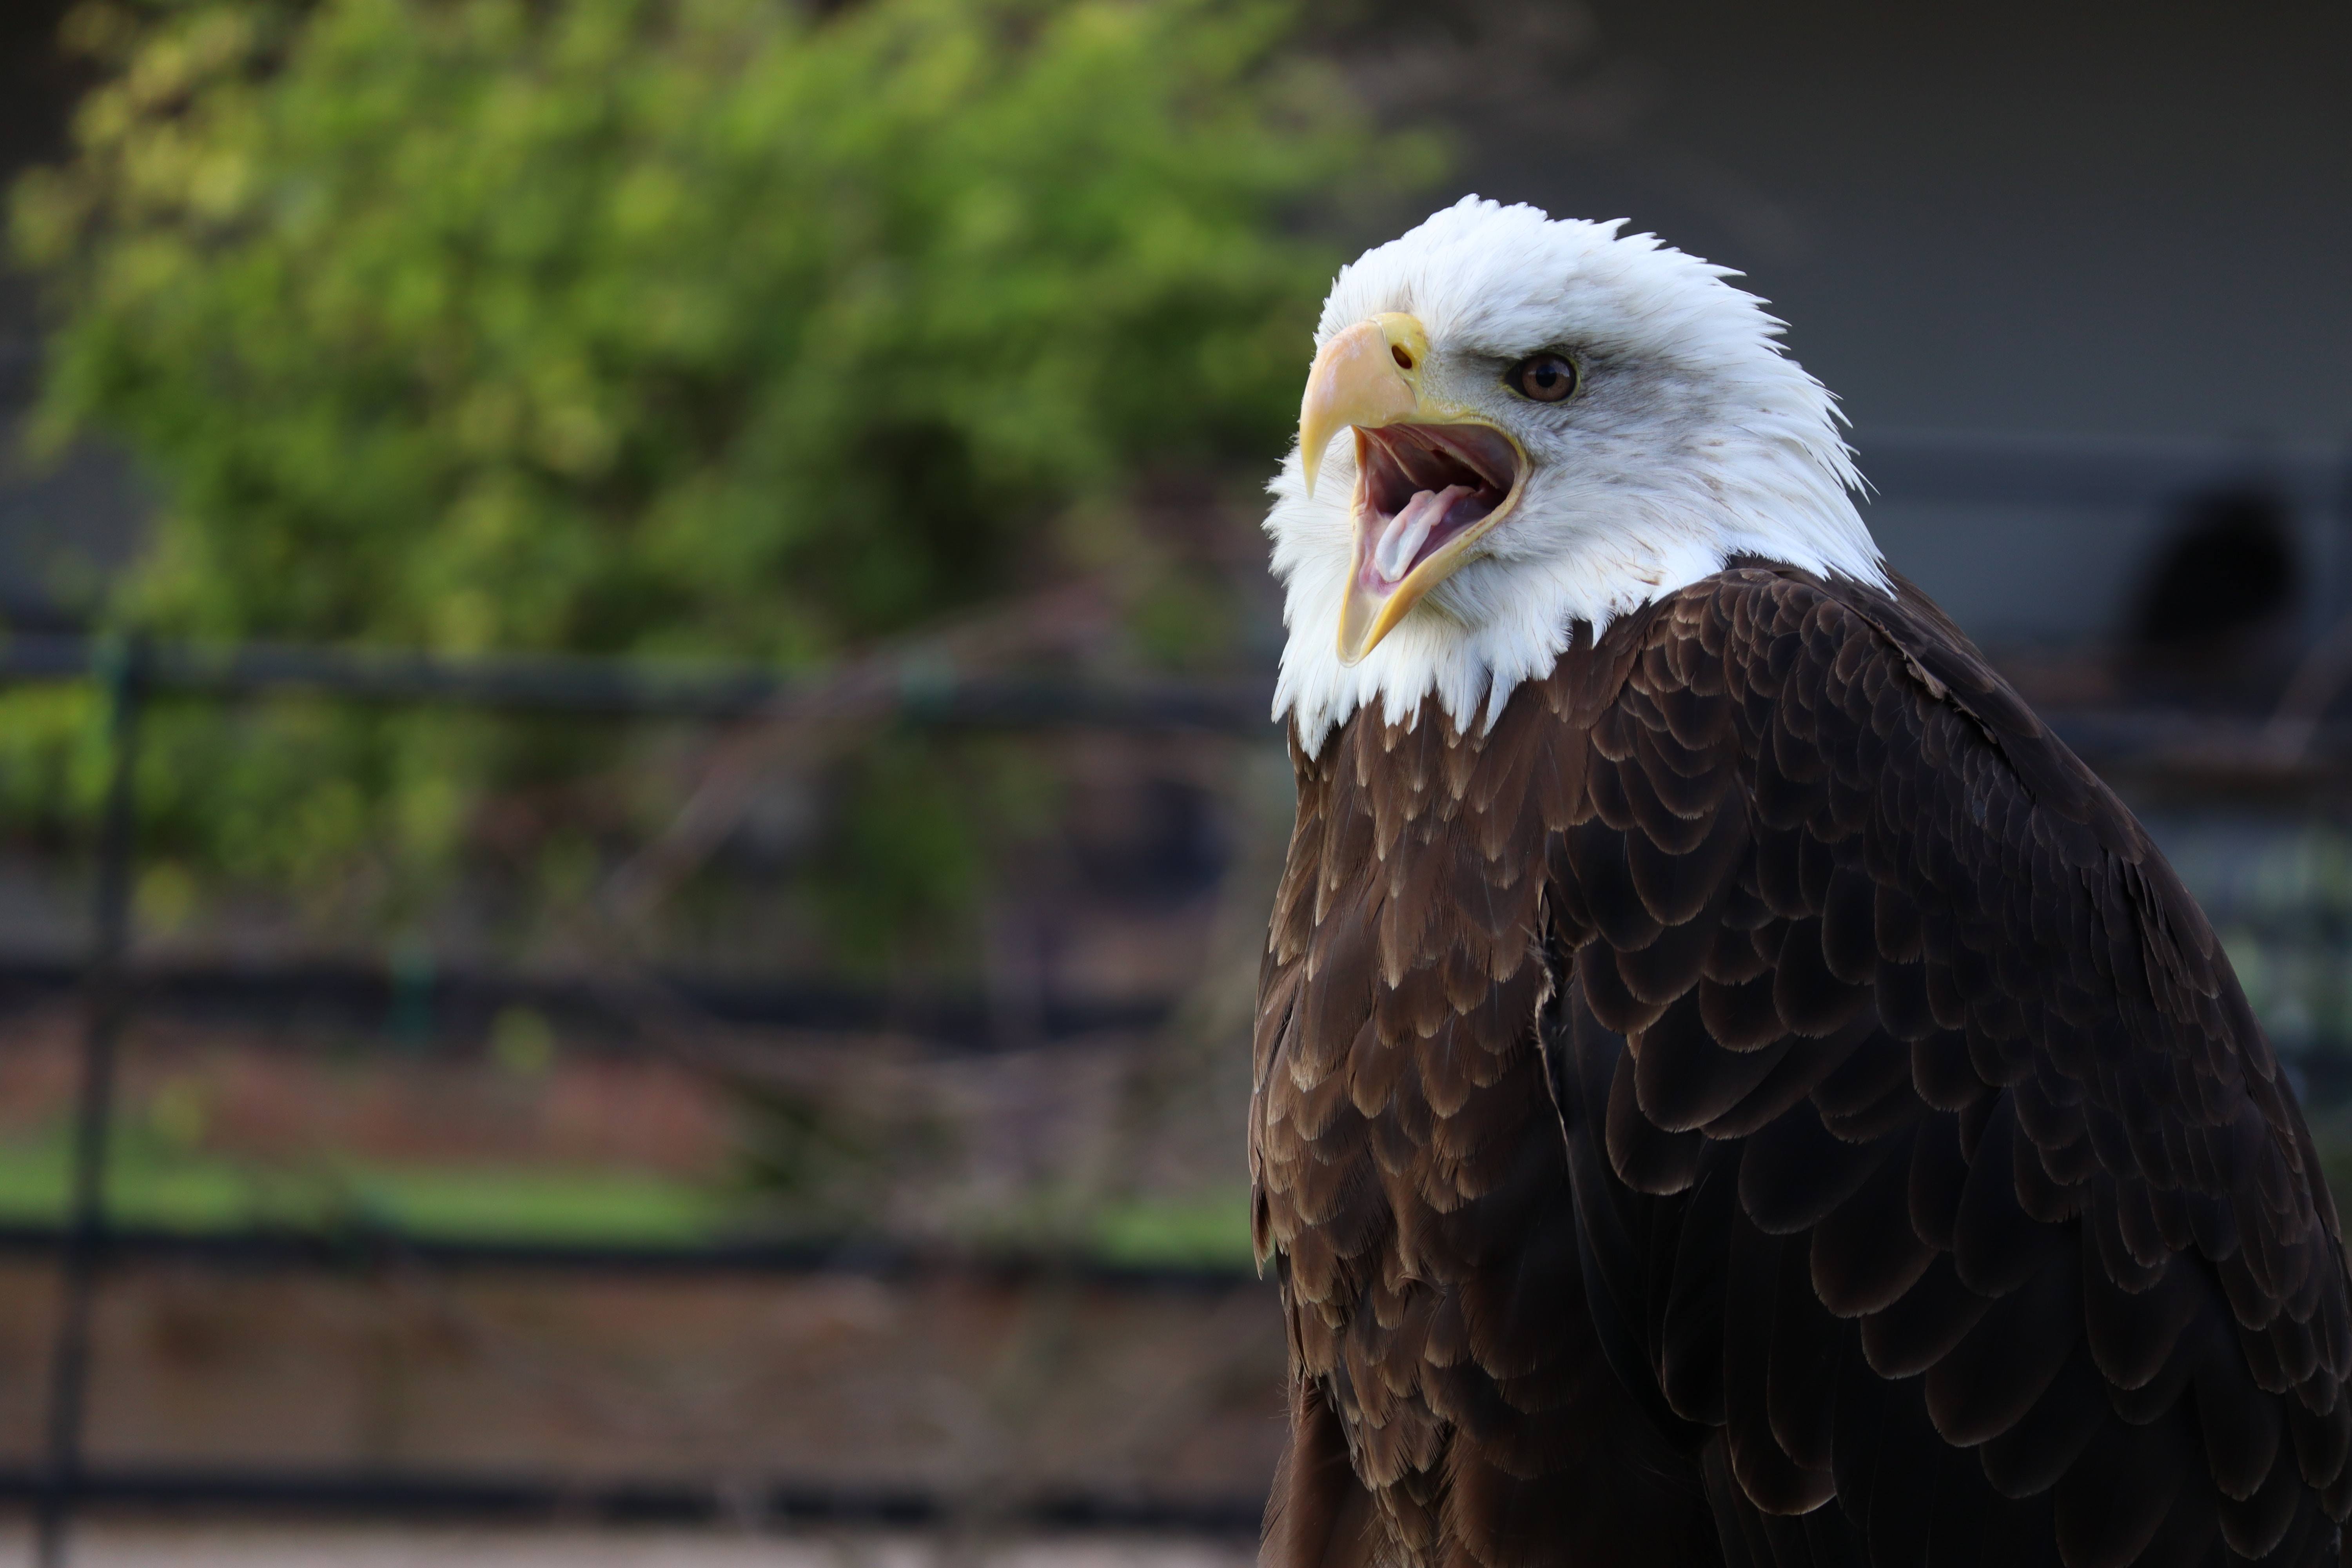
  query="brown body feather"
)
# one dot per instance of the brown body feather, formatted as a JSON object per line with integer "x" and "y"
{"x": 1765, "y": 1102}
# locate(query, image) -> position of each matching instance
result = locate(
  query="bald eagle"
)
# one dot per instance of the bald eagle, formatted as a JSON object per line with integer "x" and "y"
{"x": 1731, "y": 1088}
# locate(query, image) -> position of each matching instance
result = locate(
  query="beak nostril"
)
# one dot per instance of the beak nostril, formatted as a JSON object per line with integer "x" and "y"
{"x": 1404, "y": 360}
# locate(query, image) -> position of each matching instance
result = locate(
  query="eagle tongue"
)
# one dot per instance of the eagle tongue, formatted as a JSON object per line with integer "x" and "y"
{"x": 1407, "y": 532}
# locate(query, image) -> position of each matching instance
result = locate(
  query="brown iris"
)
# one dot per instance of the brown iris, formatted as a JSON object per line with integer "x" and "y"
{"x": 1543, "y": 378}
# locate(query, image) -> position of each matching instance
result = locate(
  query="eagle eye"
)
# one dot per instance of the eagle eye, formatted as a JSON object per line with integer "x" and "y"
{"x": 1543, "y": 378}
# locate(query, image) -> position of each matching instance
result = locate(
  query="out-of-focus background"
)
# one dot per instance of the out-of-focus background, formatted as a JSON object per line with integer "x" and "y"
{"x": 633, "y": 710}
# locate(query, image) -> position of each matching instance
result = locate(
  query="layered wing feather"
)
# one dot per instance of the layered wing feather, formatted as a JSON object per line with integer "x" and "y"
{"x": 1927, "y": 1193}
{"x": 1452, "y": 1406}
{"x": 1994, "y": 1220}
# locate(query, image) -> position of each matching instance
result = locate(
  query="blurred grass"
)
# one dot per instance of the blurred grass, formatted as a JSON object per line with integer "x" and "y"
{"x": 1207, "y": 1231}
{"x": 153, "y": 1184}
{"x": 150, "y": 1186}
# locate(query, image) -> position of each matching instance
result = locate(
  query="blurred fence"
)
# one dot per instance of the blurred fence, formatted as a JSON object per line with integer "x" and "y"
{"x": 91, "y": 1247}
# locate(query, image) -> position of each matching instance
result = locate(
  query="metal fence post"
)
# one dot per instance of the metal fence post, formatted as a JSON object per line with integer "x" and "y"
{"x": 121, "y": 673}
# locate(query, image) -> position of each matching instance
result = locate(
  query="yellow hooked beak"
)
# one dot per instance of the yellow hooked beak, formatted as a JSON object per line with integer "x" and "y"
{"x": 1432, "y": 477}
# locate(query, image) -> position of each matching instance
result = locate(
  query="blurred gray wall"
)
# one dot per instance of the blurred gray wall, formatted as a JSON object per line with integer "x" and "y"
{"x": 2014, "y": 227}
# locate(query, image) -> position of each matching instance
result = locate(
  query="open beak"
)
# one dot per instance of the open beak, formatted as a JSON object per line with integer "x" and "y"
{"x": 1432, "y": 479}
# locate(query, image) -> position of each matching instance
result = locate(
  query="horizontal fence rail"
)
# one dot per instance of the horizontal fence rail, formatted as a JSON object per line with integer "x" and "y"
{"x": 457, "y": 1003}
{"x": 410, "y": 1495}
{"x": 357, "y": 1249}
{"x": 928, "y": 693}
{"x": 924, "y": 690}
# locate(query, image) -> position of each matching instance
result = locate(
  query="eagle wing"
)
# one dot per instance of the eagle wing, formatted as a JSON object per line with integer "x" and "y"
{"x": 1925, "y": 1153}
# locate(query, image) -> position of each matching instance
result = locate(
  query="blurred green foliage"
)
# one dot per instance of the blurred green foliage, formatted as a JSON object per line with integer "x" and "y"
{"x": 690, "y": 327}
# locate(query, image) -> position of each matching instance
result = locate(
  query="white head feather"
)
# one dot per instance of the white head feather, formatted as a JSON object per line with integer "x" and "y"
{"x": 1692, "y": 436}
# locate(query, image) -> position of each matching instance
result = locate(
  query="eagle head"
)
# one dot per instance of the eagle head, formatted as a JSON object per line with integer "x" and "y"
{"x": 1514, "y": 425}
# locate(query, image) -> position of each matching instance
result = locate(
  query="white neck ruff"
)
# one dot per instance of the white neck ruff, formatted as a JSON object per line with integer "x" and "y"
{"x": 1709, "y": 442}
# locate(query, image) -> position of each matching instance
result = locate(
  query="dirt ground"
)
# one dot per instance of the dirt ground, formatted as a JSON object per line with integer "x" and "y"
{"x": 121, "y": 1546}
{"x": 951, "y": 1382}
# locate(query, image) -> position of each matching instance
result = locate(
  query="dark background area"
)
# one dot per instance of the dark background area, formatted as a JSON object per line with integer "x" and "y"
{"x": 2095, "y": 219}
